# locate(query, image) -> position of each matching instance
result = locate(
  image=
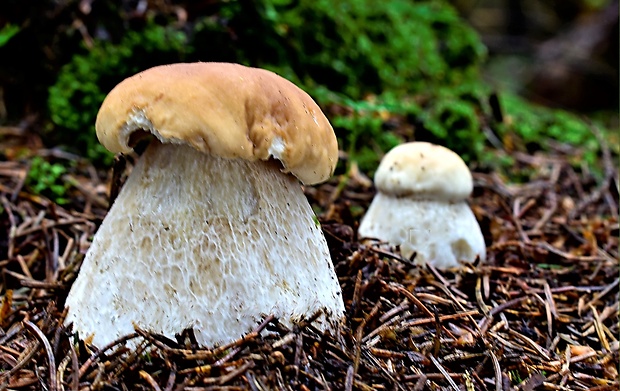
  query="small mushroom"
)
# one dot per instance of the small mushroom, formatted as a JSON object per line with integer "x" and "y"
{"x": 421, "y": 206}
{"x": 210, "y": 231}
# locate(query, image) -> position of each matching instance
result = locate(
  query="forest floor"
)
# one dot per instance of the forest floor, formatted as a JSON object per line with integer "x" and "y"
{"x": 540, "y": 313}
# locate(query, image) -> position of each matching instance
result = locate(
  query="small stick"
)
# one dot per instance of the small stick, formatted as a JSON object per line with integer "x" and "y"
{"x": 229, "y": 376}
{"x": 415, "y": 301}
{"x": 348, "y": 382}
{"x": 599, "y": 330}
{"x": 498, "y": 371}
{"x": 48, "y": 349}
{"x": 172, "y": 377}
{"x": 149, "y": 379}
{"x": 109, "y": 346}
{"x": 22, "y": 360}
{"x": 532, "y": 344}
{"x": 445, "y": 374}
{"x": 120, "y": 162}
{"x": 419, "y": 322}
{"x": 251, "y": 335}
{"x": 599, "y": 295}
{"x": 75, "y": 366}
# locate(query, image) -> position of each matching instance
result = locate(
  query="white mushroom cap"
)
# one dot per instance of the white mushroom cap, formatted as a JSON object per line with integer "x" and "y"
{"x": 421, "y": 206}
{"x": 208, "y": 233}
{"x": 423, "y": 170}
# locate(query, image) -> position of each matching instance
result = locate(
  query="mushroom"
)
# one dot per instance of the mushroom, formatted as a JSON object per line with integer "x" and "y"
{"x": 421, "y": 206}
{"x": 210, "y": 231}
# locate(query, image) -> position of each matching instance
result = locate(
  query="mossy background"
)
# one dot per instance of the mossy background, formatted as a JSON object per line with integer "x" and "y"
{"x": 384, "y": 71}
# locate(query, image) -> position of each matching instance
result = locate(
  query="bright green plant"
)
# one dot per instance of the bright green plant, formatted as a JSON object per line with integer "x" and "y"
{"x": 535, "y": 126}
{"x": 46, "y": 179}
{"x": 7, "y": 32}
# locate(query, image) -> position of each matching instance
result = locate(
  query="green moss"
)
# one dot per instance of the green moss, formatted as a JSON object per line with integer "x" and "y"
{"x": 362, "y": 130}
{"x": 454, "y": 116}
{"x": 47, "y": 179}
{"x": 536, "y": 127}
{"x": 411, "y": 59}
{"x": 396, "y": 48}
{"x": 84, "y": 82}
{"x": 369, "y": 46}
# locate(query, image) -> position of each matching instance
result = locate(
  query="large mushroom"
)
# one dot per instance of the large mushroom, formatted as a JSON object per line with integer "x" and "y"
{"x": 210, "y": 231}
{"x": 421, "y": 206}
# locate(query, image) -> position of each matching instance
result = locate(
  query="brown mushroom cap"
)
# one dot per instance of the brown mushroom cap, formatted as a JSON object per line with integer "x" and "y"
{"x": 227, "y": 110}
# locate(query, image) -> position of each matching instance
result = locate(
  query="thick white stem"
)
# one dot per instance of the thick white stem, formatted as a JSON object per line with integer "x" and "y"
{"x": 199, "y": 241}
{"x": 441, "y": 233}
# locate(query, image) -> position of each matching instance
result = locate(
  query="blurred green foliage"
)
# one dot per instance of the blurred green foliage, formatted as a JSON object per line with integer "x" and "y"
{"x": 535, "y": 127}
{"x": 362, "y": 131}
{"x": 7, "y": 32}
{"x": 372, "y": 60}
{"x": 359, "y": 46}
{"x": 47, "y": 179}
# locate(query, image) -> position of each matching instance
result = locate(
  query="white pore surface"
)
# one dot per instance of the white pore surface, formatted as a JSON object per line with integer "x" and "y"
{"x": 442, "y": 233}
{"x": 208, "y": 243}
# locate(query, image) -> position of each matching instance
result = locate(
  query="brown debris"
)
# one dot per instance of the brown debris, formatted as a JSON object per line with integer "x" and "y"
{"x": 541, "y": 313}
